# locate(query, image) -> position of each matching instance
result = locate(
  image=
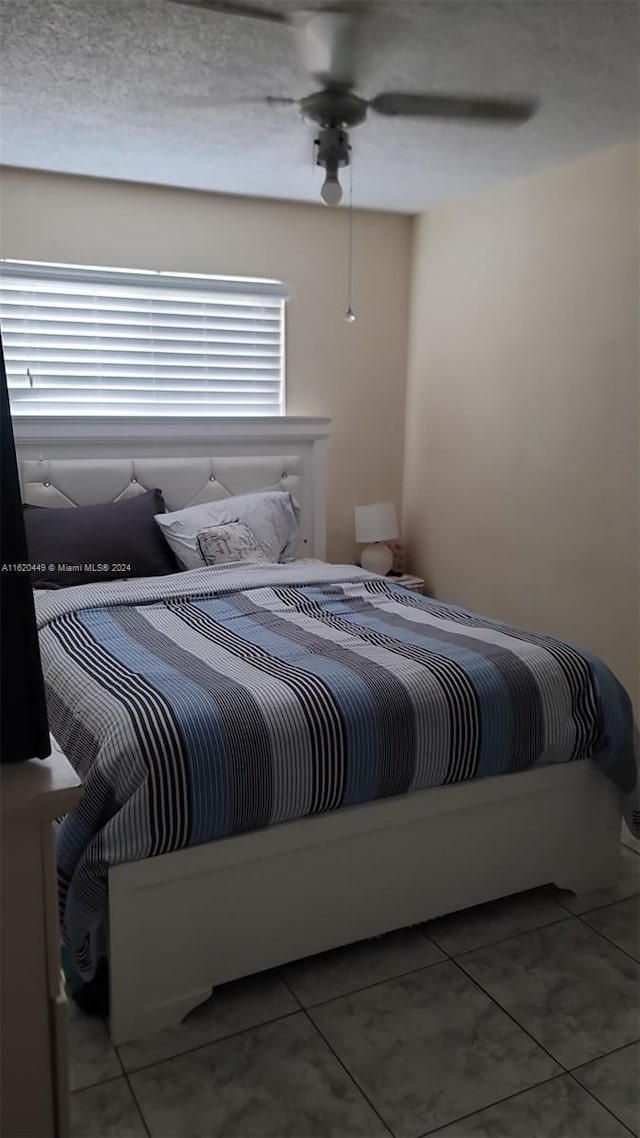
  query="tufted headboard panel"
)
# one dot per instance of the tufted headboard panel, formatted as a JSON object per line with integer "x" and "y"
{"x": 184, "y": 482}
{"x": 66, "y": 463}
{"x": 64, "y": 482}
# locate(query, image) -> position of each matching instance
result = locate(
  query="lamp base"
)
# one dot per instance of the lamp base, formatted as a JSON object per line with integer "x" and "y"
{"x": 377, "y": 558}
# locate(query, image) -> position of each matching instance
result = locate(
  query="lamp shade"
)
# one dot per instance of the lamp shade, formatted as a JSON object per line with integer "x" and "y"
{"x": 377, "y": 522}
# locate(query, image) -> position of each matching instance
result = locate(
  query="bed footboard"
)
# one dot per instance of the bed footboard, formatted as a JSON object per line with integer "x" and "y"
{"x": 185, "y": 922}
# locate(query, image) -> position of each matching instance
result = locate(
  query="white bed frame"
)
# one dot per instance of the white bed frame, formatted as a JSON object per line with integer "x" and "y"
{"x": 185, "y": 922}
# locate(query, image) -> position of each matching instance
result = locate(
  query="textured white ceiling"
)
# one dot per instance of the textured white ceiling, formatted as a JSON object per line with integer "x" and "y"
{"x": 88, "y": 87}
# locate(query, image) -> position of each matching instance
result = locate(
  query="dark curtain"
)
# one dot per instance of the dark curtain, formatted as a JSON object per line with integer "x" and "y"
{"x": 24, "y": 732}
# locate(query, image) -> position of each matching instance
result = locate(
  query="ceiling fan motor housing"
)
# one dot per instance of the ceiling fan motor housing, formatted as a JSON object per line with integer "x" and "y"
{"x": 332, "y": 149}
{"x": 334, "y": 108}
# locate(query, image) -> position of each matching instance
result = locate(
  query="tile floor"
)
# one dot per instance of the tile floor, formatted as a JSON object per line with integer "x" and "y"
{"x": 518, "y": 1019}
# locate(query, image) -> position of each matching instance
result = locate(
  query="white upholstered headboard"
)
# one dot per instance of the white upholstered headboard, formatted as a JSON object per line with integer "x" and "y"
{"x": 66, "y": 462}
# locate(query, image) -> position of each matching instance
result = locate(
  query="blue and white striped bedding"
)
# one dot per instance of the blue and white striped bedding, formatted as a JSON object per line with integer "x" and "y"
{"x": 225, "y": 699}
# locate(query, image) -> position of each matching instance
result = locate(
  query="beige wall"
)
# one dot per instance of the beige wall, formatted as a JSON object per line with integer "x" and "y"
{"x": 521, "y": 473}
{"x": 521, "y": 479}
{"x": 353, "y": 373}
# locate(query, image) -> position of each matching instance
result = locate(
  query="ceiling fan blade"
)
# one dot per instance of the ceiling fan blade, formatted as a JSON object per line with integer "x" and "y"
{"x": 329, "y": 41}
{"x": 229, "y": 8}
{"x": 211, "y": 102}
{"x": 461, "y": 108}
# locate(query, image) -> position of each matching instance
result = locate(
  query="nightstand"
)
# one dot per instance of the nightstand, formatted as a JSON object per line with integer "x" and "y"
{"x": 34, "y": 1073}
{"x": 415, "y": 584}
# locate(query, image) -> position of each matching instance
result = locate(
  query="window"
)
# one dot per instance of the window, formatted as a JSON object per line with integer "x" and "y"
{"x": 93, "y": 341}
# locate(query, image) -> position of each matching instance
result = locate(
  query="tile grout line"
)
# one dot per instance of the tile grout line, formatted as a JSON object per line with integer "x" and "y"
{"x": 594, "y": 1096}
{"x": 614, "y": 1051}
{"x": 463, "y": 1117}
{"x": 343, "y": 1065}
{"x": 110, "y": 1078}
{"x": 421, "y": 967}
{"x": 113, "y": 1079}
{"x": 565, "y": 1070}
{"x": 91, "y": 1086}
{"x": 494, "y": 943}
{"x": 263, "y": 1023}
{"x": 137, "y": 1106}
{"x": 516, "y": 1094}
{"x": 375, "y": 984}
{"x": 208, "y": 1043}
{"x": 513, "y": 1019}
{"x": 608, "y": 939}
{"x": 123, "y": 1075}
{"x": 286, "y": 1015}
{"x": 424, "y": 1134}
{"x": 556, "y": 920}
{"x": 607, "y": 905}
{"x": 539, "y": 928}
{"x": 558, "y": 1075}
{"x": 349, "y": 1074}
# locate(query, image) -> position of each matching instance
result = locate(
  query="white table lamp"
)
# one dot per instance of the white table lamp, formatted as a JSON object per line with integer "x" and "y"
{"x": 375, "y": 525}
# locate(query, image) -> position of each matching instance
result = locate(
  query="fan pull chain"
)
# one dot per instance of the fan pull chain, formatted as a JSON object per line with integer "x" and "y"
{"x": 350, "y": 315}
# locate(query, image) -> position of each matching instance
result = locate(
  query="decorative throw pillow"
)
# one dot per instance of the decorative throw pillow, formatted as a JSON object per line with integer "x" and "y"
{"x": 231, "y": 541}
{"x": 105, "y": 542}
{"x": 271, "y": 515}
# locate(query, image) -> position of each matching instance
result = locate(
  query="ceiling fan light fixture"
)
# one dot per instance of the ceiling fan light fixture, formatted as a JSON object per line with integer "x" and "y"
{"x": 331, "y": 192}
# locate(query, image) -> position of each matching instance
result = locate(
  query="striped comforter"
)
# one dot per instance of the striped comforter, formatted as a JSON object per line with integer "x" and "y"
{"x": 224, "y": 699}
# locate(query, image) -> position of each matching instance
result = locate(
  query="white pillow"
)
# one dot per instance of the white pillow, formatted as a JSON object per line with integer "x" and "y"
{"x": 271, "y": 516}
{"x": 232, "y": 541}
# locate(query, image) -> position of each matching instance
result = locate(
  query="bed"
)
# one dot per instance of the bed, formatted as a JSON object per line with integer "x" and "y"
{"x": 412, "y": 843}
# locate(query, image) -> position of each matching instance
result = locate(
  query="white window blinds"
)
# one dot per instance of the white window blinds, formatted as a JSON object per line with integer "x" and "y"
{"x": 93, "y": 341}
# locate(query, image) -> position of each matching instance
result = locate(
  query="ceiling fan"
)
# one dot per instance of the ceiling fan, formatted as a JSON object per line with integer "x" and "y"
{"x": 329, "y": 41}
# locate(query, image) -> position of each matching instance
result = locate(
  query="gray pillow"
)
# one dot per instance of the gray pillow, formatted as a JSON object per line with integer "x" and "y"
{"x": 232, "y": 541}
{"x": 105, "y": 542}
